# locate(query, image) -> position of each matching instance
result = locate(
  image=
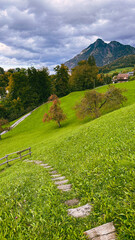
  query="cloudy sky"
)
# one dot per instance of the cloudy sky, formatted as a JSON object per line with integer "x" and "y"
{"x": 49, "y": 32}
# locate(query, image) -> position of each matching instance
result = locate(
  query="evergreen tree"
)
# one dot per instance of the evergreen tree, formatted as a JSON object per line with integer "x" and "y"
{"x": 91, "y": 61}
{"x": 61, "y": 80}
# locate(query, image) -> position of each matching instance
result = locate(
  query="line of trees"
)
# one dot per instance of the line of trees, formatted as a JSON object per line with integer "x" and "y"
{"x": 22, "y": 90}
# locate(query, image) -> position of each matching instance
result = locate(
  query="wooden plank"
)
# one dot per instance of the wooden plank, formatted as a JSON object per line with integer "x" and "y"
{"x": 13, "y": 159}
{"x": 111, "y": 236}
{"x": 20, "y": 157}
{"x": 61, "y": 182}
{"x": 43, "y": 164}
{"x": 55, "y": 175}
{"x": 3, "y": 163}
{"x": 38, "y": 162}
{"x": 53, "y": 172}
{"x": 12, "y": 153}
{"x": 47, "y": 167}
{"x": 23, "y": 150}
{"x": 26, "y": 154}
{"x": 82, "y": 211}
{"x": 2, "y": 158}
{"x": 65, "y": 187}
{"x": 27, "y": 160}
{"x": 18, "y": 152}
{"x": 58, "y": 178}
{"x": 104, "y": 229}
{"x": 7, "y": 159}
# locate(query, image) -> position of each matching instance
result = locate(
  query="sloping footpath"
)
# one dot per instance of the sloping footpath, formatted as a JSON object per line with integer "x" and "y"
{"x": 104, "y": 232}
{"x": 19, "y": 121}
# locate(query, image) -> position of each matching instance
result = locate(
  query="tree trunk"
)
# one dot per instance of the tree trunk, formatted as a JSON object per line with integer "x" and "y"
{"x": 59, "y": 124}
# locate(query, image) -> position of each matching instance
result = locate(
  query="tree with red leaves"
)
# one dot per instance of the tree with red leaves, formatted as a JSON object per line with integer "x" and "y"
{"x": 55, "y": 112}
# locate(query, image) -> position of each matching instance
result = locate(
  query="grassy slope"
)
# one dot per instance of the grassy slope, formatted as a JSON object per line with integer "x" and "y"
{"x": 98, "y": 159}
{"x": 121, "y": 70}
{"x": 32, "y": 130}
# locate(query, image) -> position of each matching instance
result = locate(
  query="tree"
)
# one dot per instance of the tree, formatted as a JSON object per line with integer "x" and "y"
{"x": 27, "y": 89}
{"x": 90, "y": 105}
{"x": 18, "y": 82}
{"x": 61, "y": 80}
{"x": 107, "y": 79}
{"x": 39, "y": 83}
{"x": 84, "y": 75}
{"x": 2, "y": 111}
{"x": 55, "y": 112}
{"x": 2, "y": 92}
{"x": 91, "y": 61}
{"x": 94, "y": 103}
{"x": 4, "y": 79}
{"x": 113, "y": 98}
{"x": 3, "y": 122}
{"x": 1, "y": 70}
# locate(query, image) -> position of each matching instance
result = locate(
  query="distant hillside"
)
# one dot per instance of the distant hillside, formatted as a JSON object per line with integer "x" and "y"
{"x": 126, "y": 61}
{"x": 103, "y": 53}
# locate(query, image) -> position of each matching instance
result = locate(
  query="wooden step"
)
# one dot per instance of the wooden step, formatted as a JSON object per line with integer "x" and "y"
{"x": 104, "y": 232}
{"x": 65, "y": 187}
{"x": 53, "y": 172}
{"x": 61, "y": 182}
{"x": 58, "y": 178}
{"x": 38, "y": 162}
{"x": 72, "y": 202}
{"x": 82, "y": 211}
{"x": 47, "y": 167}
{"x": 56, "y": 175}
{"x": 44, "y": 164}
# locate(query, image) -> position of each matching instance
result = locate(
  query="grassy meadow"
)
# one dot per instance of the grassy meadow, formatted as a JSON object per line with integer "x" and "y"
{"x": 121, "y": 70}
{"x": 96, "y": 156}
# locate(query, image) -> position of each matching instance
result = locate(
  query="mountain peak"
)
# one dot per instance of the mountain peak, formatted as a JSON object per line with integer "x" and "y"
{"x": 104, "y": 53}
{"x": 114, "y": 43}
{"x": 99, "y": 42}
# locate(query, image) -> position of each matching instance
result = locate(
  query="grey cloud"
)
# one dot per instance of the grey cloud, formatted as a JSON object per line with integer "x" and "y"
{"x": 51, "y": 32}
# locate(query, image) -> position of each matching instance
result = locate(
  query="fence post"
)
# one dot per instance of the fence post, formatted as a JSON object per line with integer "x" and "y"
{"x": 7, "y": 160}
{"x": 20, "y": 156}
{"x": 30, "y": 151}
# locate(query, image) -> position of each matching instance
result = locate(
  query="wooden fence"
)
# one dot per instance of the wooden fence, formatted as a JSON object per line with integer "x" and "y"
{"x": 19, "y": 153}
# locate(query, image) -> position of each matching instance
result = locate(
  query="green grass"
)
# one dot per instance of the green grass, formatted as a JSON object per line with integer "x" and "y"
{"x": 97, "y": 157}
{"x": 121, "y": 70}
{"x": 32, "y": 130}
{"x": 130, "y": 91}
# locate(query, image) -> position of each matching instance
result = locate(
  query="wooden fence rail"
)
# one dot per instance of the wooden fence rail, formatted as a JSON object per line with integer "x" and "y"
{"x": 19, "y": 153}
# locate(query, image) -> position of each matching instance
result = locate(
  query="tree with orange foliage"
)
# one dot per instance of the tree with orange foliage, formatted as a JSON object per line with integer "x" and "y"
{"x": 55, "y": 112}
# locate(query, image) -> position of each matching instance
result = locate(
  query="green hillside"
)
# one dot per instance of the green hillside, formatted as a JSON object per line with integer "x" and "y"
{"x": 122, "y": 62}
{"x": 96, "y": 156}
{"x": 121, "y": 70}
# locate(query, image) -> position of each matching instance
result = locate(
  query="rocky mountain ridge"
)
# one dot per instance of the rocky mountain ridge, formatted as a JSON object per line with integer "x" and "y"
{"x": 104, "y": 53}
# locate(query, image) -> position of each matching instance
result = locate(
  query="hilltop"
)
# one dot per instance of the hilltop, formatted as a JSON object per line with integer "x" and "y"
{"x": 104, "y": 53}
